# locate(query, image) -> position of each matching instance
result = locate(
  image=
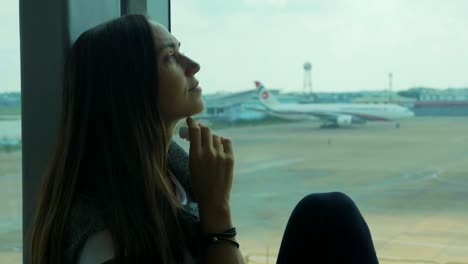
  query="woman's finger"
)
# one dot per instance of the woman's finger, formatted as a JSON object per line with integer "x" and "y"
{"x": 217, "y": 144}
{"x": 194, "y": 134}
{"x": 206, "y": 137}
{"x": 227, "y": 145}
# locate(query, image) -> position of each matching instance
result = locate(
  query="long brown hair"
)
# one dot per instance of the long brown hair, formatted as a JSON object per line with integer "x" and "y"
{"x": 111, "y": 146}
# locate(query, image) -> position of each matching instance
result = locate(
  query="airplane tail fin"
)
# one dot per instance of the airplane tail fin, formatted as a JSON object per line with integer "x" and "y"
{"x": 265, "y": 96}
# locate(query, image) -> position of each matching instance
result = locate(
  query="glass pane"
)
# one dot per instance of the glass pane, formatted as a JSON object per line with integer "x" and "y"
{"x": 372, "y": 101}
{"x": 10, "y": 136}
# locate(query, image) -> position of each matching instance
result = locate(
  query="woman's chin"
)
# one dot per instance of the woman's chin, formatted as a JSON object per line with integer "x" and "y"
{"x": 195, "y": 109}
{"x": 199, "y": 108}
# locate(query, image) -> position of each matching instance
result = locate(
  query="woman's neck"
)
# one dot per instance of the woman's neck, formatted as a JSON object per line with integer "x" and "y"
{"x": 170, "y": 126}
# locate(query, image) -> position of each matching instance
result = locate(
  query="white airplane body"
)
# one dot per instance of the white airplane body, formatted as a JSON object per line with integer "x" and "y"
{"x": 340, "y": 115}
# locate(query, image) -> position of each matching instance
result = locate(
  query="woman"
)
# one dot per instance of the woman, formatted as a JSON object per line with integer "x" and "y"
{"x": 117, "y": 187}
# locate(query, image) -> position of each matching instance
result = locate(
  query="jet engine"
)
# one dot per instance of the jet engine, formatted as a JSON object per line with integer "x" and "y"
{"x": 344, "y": 120}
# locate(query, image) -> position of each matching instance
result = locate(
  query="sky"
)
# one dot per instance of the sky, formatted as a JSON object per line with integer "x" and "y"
{"x": 352, "y": 45}
{"x": 9, "y": 47}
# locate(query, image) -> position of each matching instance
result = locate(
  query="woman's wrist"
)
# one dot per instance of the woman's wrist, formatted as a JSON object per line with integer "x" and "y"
{"x": 215, "y": 219}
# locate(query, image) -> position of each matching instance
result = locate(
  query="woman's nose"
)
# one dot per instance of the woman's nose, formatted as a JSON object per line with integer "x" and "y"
{"x": 192, "y": 67}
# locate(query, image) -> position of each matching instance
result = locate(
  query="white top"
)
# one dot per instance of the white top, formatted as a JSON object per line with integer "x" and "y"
{"x": 180, "y": 192}
{"x": 98, "y": 248}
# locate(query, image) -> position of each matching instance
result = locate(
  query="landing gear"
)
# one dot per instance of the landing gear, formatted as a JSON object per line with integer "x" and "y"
{"x": 397, "y": 125}
{"x": 329, "y": 125}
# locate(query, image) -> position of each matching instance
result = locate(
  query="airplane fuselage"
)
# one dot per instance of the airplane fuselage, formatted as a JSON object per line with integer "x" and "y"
{"x": 371, "y": 112}
{"x": 338, "y": 114}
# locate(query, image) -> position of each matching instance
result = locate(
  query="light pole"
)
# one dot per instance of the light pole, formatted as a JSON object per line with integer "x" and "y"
{"x": 307, "y": 78}
{"x": 390, "y": 83}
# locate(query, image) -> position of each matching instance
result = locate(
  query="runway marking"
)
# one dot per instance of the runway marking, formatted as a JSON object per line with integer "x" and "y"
{"x": 409, "y": 177}
{"x": 422, "y": 244}
{"x": 268, "y": 164}
{"x": 405, "y": 260}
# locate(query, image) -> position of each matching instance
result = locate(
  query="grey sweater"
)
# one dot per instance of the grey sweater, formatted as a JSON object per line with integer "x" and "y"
{"x": 86, "y": 219}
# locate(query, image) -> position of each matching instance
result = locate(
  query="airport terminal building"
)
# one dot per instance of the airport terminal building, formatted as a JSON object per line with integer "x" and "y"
{"x": 450, "y": 102}
{"x": 233, "y": 107}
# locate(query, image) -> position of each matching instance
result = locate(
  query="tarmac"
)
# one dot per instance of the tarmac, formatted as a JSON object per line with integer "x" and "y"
{"x": 410, "y": 183}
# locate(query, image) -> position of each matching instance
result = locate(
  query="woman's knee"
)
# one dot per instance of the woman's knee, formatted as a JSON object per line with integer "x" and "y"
{"x": 332, "y": 204}
{"x": 334, "y": 199}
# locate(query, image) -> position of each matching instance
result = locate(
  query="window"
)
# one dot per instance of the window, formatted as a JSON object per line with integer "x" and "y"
{"x": 408, "y": 176}
{"x": 10, "y": 136}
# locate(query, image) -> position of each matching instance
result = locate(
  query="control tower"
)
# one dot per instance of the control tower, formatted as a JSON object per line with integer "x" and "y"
{"x": 308, "y": 96}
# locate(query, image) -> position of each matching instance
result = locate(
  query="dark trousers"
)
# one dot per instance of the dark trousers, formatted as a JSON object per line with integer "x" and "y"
{"x": 326, "y": 228}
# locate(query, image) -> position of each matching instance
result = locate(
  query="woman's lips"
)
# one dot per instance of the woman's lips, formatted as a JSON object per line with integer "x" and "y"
{"x": 198, "y": 88}
{"x": 195, "y": 87}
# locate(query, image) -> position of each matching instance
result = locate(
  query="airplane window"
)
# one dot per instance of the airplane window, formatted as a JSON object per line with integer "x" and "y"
{"x": 349, "y": 96}
{"x": 10, "y": 136}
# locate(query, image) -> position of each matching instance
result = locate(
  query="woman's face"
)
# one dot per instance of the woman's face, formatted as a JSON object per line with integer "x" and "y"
{"x": 179, "y": 93}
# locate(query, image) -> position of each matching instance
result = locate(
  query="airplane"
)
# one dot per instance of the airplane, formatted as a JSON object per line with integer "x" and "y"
{"x": 332, "y": 115}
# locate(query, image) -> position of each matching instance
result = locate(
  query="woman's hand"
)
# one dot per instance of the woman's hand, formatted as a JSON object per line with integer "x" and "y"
{"x": 211, "y": 163}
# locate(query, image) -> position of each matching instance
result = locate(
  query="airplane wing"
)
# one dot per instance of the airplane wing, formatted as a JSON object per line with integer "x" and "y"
{"x": 287, "y": 116}
{"x": 334, "y": 116}
{"x": 296, "y": 115}
{"x": 340, "y": 118}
